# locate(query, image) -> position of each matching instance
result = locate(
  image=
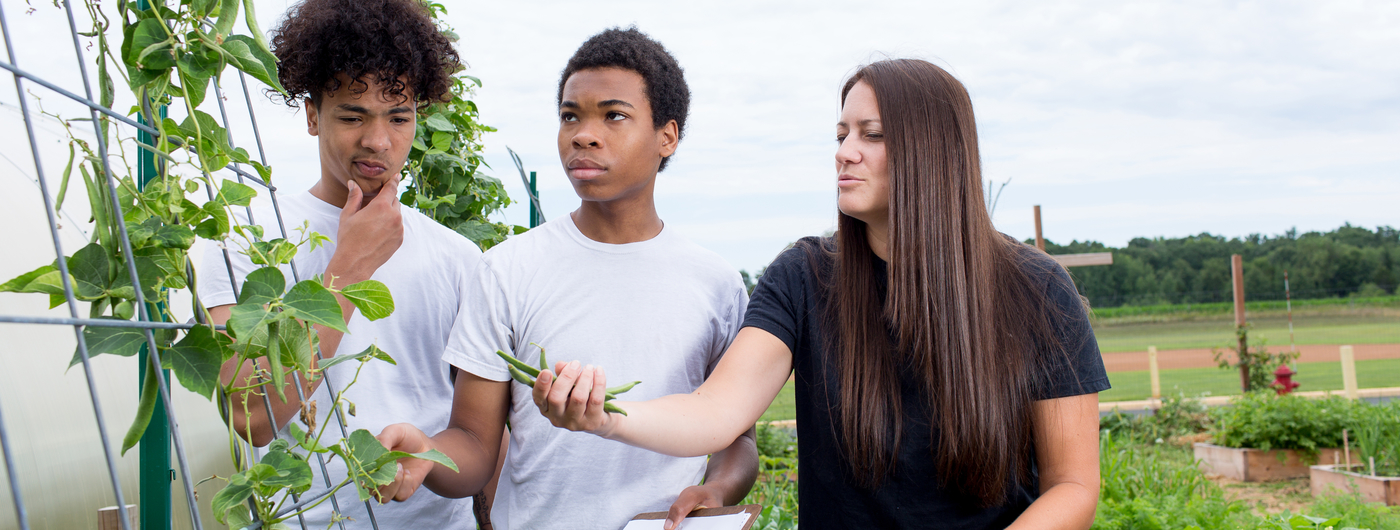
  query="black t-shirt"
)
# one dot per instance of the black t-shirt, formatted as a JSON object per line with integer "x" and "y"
{"x": 787, "y": 304}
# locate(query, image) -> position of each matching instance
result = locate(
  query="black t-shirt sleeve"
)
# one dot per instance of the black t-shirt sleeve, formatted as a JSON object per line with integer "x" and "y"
{"x": 778, "y": 304}
{"x": 1079, "y": 370}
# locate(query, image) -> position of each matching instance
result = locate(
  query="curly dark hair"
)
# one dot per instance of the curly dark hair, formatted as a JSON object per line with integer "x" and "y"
{"x": 377, "y": 39}
{"x": 633, "y": 50}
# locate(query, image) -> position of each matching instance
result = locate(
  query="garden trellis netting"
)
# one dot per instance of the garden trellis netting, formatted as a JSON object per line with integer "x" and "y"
{"x": 146, "y": 319}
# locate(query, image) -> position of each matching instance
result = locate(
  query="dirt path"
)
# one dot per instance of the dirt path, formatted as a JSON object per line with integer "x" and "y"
{"x": 1201, "y": 358}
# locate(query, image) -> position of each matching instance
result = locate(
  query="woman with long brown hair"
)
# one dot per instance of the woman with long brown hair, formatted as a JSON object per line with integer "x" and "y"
{"x": 946, "y": 375}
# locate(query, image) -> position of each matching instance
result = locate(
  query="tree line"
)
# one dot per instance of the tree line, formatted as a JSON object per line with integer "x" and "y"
{"x": 1347, "y": 261}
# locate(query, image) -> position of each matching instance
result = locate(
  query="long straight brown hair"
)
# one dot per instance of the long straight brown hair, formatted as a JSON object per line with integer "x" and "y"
{"x": 971, "y": 319}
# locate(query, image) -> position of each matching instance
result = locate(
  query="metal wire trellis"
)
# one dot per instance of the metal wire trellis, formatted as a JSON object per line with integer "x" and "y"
{"x": 144, "y": 320}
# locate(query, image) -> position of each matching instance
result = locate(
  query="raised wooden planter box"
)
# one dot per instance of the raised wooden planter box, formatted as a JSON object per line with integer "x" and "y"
{"x": 1327, "y": 478}
{"x": 1254, "y": 465}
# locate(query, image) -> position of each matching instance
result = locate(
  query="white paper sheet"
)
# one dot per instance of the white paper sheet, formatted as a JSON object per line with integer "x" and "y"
{"x": 713, "y": 522}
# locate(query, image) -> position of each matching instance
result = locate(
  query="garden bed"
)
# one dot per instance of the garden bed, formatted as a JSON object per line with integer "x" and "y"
{"x": 1256, "y": 465}
{"x": 1371, "y": 488}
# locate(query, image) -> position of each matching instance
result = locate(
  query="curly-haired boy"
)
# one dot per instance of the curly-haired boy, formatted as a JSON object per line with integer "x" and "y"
{"x": 360, "y": 69}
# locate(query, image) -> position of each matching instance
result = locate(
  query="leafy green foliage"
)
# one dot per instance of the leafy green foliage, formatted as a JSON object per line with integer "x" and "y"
{"x": 443, "y": 178}
{"x": 168, "y": 57}
{"x": 1195, "y": 269}
{"x": 1178, "y": 416}
{"x": 1263, "y": 420}
{"x": 776, "y": 488}
{"x": 1375, "y": 431}
{"x": 1256, "y": 357}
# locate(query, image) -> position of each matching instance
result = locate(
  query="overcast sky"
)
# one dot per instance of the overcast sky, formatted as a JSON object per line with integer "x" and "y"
{"x": 1122, "y": 119}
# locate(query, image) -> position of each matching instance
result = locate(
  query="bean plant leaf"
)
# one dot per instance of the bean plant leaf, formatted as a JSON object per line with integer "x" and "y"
{"x": 310, "y": 301}
{"x": 274, "y": 252}
{"x": 246, "y": 319}
{"x": 305, "y": 440}
{"x": 174, "y": 236}
{"x": 262, "y": 286}
{"x": 232, "y": 498}
{"x": 197, "y": 357}
{"x": 124, "y": 342}
{"x": 476, "y": 231}
{"x": 437, "y": 122}
{"x": 371, "y": 297}
{"x": 41, "y": 280}
{"x": 252, "y": 58}
{"x": 296, "y": 345}
{"x": 91, "y": 270}
{"x": 216, "y": 226}
{"x": 292, "y": 472}
{"x": 148, "y": 46}
{"x": 234, "y": 194}
{"x": 372, "y": 351}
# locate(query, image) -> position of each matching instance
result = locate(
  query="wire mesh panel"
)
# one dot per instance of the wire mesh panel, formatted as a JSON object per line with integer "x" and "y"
{"x": 146, "y": 320}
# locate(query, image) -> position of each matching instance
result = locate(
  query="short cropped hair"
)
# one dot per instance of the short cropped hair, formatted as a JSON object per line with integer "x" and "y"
{"x": 630, "y": 49}
{"x": 383, "y": 40}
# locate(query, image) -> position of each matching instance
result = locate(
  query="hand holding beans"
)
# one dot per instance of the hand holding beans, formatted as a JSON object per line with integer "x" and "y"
{"x": 577, "y": 399}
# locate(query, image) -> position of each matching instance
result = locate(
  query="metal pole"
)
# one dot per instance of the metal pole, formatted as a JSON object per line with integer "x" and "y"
{"x": 535, "y": 213}
{"x": 20, "y": 514}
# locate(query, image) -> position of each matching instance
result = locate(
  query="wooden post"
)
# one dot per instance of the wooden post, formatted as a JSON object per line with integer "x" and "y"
{"x": 110, "y": 519}
{"x": 1237, "y": 274}
{"x": 1349, "y": 372}
{"x": 1156, "y": 376}
{"x": 1039, "y": 238}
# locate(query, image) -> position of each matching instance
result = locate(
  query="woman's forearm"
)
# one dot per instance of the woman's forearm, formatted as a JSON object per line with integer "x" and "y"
{"x": 1067, "y": 506}
{"x": 677, "y": 425}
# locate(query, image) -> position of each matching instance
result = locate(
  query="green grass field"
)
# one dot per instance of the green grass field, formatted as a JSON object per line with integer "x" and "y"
{"x": 1195, "y": 382}
{"x": 1362, "y": 326}
{"x": 1168, "y": 328}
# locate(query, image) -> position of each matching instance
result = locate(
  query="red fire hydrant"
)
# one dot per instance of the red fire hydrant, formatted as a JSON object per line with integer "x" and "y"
{"x": 1283, "y": 380}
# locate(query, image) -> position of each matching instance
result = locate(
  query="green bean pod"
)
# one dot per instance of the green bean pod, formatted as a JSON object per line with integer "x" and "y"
{"x": 609, "y": 407}
{"x": 623, "y": 388}
{"x": 520, "y": 376}
{"x": 544, "y": 365}
{"x": 530, "y": 370}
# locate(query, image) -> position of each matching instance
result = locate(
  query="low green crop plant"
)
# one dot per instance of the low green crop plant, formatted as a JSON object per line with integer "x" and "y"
{"x": 1375, "y": 435}
{"x": 1263, "y": 420}
{"x": 1140, "y": 489}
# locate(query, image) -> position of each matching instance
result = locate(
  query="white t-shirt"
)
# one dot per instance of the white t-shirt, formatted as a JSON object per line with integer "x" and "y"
{"x": 424, "y": 276}
{"x": 660, "y": 311}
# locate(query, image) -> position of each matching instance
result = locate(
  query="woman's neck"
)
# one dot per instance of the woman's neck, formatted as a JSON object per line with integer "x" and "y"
{"x": 878, "y": 237}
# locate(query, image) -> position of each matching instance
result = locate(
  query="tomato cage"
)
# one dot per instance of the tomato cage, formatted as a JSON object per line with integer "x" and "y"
{"x": 138, "y": 333}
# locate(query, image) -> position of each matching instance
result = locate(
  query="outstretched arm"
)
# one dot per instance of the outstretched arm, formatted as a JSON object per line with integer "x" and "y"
{"x": 702, "y": 422}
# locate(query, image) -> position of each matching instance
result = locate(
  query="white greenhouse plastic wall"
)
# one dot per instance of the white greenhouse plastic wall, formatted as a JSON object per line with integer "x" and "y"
{"x": 47, "y": 410}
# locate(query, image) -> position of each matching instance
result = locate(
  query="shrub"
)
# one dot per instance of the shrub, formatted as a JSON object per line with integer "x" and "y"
{"x": 1178, "y": 416}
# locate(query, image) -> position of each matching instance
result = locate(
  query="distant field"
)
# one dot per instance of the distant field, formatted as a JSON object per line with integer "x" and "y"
{"x": 1194, "y": 382}
{"x": 1329, "y": 321}
{"x": 1329, "y": 325}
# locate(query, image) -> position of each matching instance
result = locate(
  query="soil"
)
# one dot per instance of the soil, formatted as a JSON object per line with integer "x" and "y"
{"x": 1271, "y": 497}
{"x": 1203, "y": 358}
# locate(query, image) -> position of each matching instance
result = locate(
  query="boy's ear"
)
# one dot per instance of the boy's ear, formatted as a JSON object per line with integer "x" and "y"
{"x": 669, "y": 136}
{"x": 313, "y": 118}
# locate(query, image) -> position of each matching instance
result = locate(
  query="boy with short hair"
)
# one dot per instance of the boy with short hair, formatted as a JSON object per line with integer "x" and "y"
{"x": 609, "y": 284}
{"x": 361, "y": 68}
